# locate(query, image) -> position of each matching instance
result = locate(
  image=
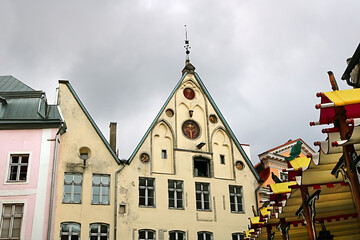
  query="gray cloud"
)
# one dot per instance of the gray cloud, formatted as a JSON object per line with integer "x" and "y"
{"x": 262, "y": 61}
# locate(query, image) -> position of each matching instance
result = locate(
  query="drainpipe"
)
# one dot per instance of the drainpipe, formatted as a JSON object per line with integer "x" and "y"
{"x": 261, "y": 182}
{"x": 53, "y": 181}
{"x": 115, "y": 212}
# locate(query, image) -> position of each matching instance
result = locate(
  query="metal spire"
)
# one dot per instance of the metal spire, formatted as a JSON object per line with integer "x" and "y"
{"x": 187, "y": 47}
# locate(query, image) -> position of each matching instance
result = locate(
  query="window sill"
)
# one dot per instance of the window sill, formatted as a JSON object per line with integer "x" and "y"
{"x": 205, "y": 210}
{"x": 147, "y": 206}
{"x": 240, "y": 212}
{"x": 100, "y": 204}
{"x": 16, "y": 182}
{"x": 71, "y": 203}
{"x": 170, "y": 208}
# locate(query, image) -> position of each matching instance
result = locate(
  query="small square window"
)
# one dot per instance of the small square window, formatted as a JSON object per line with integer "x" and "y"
{"x": 201, "y": 167}
{"x": 222, "y": 159}
{"x": 18, "y": 168}
{"x": 163, "y": 154}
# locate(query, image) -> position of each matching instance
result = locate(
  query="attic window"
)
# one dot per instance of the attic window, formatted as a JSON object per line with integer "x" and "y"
{"x": 163, "y": 154}
{"x": 84, "y": 153}
{"x": 201, "y": 167}
{"x": 42, "y": 107}
{"x": 222, "y": 159}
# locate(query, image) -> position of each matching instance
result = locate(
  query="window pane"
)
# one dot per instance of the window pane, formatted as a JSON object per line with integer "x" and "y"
{"x": 105, "y": 190}
{"x": 105, "y": 200}
{"x": 5, "y": 228}
{"x": 76, "y": 228}
{"x": 94, "y": 228}
{"x": 13, "y": 173}
{"x": 25, "y": 159}
{"x": 67, "y": 198}
{"x": 96, "y": 179}
{"x": 105, "y": 180}
{"x": 18, "y": 209}
{"x": 77, "y": 198}
{"x": 96, "y": 199}
{"x": 68, "y": 177}
{"x": 171, "y": 203}
{"x": 77, "y": 178}
{"x": 15, "y": 159}
{"x": 104, "y": 228}
{"x": 96, "y": 190}
{"x": 75, "y": 238}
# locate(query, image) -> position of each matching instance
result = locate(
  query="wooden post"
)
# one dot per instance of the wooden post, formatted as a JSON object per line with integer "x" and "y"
{"x": 309, "y": 221}
{"x": 340, "y": 114}
{"x": 284, "y": 232}
{"x": 268, "y": 231}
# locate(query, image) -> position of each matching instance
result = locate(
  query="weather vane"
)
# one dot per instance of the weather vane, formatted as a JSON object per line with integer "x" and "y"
{"x": 187, "y": 47}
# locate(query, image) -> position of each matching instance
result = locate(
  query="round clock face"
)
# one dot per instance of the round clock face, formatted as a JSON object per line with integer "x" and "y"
{"x": 189, "y": 93}
{"x": 144, "y": 158}
{"x": 191, "y": 129}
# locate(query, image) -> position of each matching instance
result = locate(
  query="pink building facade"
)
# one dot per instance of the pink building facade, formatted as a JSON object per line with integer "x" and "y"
{"x": 29, "y": 136}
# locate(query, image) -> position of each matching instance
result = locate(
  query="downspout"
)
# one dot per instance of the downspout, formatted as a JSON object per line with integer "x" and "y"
{"x": 261, "y": 182}
{"x": 115, "y": 211}
{"x": 52, "y": 183}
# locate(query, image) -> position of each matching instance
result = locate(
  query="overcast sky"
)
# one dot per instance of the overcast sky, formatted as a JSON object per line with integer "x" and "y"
{"x": 262, "y": 61}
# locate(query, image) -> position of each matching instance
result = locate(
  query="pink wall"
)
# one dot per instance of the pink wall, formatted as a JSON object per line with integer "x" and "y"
{"x": 26, "y": 141}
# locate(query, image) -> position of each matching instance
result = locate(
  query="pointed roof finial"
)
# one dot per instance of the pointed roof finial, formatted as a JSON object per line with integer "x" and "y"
{"x": 187, "y": 47}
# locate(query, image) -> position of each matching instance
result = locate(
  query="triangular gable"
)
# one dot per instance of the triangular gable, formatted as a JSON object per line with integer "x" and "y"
{"x": 91, "y": 120}
{"x": 206, "y": 93}
{"x": 283, "y": 150}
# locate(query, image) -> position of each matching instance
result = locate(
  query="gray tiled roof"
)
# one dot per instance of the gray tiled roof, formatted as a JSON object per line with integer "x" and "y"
{"x": 23, "y": 107}
{"x": 10, "y": 84}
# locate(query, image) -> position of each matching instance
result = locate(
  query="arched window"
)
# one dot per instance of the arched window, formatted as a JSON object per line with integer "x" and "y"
{"x": 147, "y": 234}
{"x": 204, "y": 236}
{"x": 70, "y": 231}
{"x": 177, "y": 235}
{"x": 99, "y": 231}
{"x": 238, "y": 236}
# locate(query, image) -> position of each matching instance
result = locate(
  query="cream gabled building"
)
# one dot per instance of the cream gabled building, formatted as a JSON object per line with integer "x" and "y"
{"x": 189, "y": 177}
{"x": 85, "y": 203}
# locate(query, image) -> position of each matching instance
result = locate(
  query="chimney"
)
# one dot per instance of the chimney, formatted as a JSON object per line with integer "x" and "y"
{"x": 113, "y": 136}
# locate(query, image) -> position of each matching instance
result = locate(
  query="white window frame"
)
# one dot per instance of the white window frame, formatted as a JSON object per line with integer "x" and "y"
{"x": 102, "y": 186}
{"x": 176, "y": 232}
{"x": 204, "y": 235}
{"x": 235, "y": 195}
{"x": 72, "y": 184}
{"x": 28, "y": 175}
{"x": 202, "y": 193}
{"x": 70, "y": 235}
{"x": 99, "y": 234}
{"x": 177, "y": 193}
{"x": 12, "y": 218}
{"x": 147, "y": 234}
{"x": 238, "y": 235}
{"x": 147, "y": 189}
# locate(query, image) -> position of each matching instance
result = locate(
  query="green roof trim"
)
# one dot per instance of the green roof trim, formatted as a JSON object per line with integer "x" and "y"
{"x": 237, "y": 143}
{"x": 67, "y": 83}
